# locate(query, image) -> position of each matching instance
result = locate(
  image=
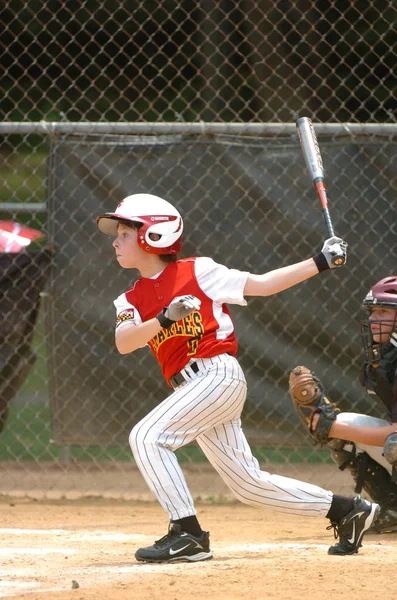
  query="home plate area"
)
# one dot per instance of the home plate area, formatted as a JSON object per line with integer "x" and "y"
{"x": 85, "y": 549}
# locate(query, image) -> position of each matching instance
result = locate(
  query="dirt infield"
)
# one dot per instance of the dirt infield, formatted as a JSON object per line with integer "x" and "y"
{"x": 124, "y": 482}
{"x": 83, "y": 549}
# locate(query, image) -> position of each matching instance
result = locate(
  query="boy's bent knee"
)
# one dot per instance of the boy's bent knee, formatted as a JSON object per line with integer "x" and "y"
{"x": 142, "y": 436}
{"x": 137, "y": 437}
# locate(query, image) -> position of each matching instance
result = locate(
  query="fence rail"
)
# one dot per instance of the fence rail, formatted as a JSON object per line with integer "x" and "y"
{"x": 200, "y": 128}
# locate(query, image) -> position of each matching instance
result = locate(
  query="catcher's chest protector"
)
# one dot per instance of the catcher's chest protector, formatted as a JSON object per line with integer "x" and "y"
{"x": 381, "y": 381}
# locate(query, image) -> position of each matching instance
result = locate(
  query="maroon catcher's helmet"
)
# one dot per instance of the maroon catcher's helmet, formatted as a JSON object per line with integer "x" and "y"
{"x": 382, "y": 294}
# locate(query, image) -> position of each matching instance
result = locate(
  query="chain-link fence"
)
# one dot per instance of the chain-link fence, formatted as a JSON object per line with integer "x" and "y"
{"x": 213, "y": 61}
{"x": 195, "y": 102}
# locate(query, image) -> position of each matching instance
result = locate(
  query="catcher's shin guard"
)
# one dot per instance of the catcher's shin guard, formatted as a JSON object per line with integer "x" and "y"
{"x": 374, "y": 479}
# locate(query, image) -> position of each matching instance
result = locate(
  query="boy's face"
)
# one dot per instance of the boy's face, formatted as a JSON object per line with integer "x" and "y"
{"x": 382, "y": 322}
{"x": 128, "y": 252}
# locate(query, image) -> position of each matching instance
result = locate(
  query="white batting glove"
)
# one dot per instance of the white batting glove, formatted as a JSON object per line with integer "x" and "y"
{"x": 333, "y": 254}
{"x": 179, "y": 308}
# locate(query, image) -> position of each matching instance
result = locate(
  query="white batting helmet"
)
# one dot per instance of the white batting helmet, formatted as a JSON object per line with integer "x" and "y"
{"x": 161, "y": 224}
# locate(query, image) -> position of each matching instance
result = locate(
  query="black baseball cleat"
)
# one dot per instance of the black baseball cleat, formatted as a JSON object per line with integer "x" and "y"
{"x": 351, "y": 528}
{"x": 177, "y": 545}
{"x": 385, "y": 523}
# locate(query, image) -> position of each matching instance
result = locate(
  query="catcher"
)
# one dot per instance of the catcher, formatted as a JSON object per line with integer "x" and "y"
{"x": 364, "y": 445}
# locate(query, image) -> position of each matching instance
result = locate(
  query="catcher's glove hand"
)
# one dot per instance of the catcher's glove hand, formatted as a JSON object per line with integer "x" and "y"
{"x": 307, "y": 394}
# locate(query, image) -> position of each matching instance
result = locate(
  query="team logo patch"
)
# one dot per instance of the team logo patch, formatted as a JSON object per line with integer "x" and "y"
{"x": 125, "y": 315}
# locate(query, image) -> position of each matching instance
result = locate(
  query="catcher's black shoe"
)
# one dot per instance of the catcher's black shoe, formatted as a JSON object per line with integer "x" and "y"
{"x": 352, "y": 527}
{"x": 386, "y": 522}
{"x": 177, "y": 545}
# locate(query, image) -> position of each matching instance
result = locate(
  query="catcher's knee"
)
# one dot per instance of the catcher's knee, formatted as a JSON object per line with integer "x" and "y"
{"x": 366, "y": 472}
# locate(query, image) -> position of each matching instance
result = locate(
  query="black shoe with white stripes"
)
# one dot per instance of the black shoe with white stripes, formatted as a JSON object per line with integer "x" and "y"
{"x": 177, "y": 545}
{"x": 352, "y": 527}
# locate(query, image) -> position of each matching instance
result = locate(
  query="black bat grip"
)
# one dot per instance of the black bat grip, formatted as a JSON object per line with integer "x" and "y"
{"x": 328, "y": 222}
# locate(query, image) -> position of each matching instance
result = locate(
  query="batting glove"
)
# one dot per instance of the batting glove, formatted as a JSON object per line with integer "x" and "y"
{"x": 179, "y": 308}
{"x": 333, "y": 254}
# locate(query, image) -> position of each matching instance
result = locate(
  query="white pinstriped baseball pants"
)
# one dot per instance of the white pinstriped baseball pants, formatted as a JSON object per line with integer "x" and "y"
{"x": 208, "y": 409}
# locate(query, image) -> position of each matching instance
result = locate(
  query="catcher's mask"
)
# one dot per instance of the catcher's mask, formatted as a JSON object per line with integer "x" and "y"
{"x": 160, "y": 224}
{"x": 384, "y": 295}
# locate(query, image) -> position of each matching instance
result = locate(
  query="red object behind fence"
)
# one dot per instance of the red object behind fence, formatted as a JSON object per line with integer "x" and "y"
{"x": 14, "y": 237}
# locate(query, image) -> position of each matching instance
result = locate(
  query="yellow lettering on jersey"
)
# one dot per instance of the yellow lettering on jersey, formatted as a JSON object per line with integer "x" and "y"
{"x": 191, "y": 327}
{"x": 177, "y": 328}
{"x": 188, "y": 324}
{"x": 198, "y": 327}
{"x": 161, "y": 336}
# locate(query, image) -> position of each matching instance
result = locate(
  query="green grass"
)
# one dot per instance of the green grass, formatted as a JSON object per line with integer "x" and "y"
{"x": 24, "y": 176}
{"x": 27, "y": 437}
{"x": 37, "y": 380}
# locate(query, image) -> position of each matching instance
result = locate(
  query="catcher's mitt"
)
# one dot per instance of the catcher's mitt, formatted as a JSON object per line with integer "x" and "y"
{"x": 307, "y": 394}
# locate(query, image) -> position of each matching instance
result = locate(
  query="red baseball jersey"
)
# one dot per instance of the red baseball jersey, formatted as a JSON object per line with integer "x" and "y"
{"x": 202, "y": 334}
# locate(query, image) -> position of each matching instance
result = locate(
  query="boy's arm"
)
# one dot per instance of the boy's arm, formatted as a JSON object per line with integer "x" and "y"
{"x": 131, "y": 337}
{"x": 286, "y": 277}
{"x": 280, "y": 279}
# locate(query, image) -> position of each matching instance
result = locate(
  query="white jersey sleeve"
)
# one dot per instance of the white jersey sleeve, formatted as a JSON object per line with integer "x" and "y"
{"x": 221, "y": 284}
{"x": 126, "y": 313}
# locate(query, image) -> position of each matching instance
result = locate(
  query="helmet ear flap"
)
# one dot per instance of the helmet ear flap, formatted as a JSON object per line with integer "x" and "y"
{"x": 161, "y": 234}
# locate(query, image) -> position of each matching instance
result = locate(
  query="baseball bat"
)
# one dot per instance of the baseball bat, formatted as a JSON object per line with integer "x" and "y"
{"x": 314, "y": 162}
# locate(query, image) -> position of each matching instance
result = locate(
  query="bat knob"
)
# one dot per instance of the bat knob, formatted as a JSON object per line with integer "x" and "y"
{"x": 339, "y": 260}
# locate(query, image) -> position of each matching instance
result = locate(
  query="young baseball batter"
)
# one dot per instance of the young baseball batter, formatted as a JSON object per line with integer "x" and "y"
{"x": 179, "y": 309}
{"x": 364, "y": 445}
